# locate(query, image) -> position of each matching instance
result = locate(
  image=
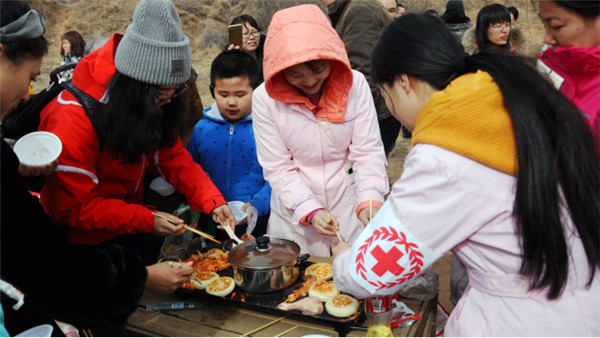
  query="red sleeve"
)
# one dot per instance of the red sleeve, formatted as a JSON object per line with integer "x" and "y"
{"x": 188, "y": 177}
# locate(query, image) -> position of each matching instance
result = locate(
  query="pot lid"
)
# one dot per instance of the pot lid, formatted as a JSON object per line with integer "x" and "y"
{"x": 264, "y": 253}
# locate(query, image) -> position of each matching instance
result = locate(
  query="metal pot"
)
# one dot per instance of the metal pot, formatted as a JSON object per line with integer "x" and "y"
{"x": 266, "y": 264}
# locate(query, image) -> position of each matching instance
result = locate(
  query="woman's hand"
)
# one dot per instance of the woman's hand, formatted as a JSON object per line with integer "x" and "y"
{"x": 37, "y": 170}
{"x": 166, "y": 277}
{"x": 223, "y": 215}
{"x": 162, "y": 227}
{"x": 232, "y": 46}
{"x": 324, "y": 223}
{"x": 364, "y": 214}
{"x": 338, "y": 249}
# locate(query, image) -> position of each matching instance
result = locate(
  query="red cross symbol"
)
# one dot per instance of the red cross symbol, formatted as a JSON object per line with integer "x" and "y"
{"x": 387, "y": 261}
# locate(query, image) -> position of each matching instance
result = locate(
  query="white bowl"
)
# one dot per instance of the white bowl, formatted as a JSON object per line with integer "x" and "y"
{"x": 44, "y": 330}
{"x": 38, "y": 148}
{"x": 237, "y": 211}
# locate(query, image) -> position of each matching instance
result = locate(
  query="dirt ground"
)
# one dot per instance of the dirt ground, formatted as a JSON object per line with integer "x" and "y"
{"x": 443, "y": 265}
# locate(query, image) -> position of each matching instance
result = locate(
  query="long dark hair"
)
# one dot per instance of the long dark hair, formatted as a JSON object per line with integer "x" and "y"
{"x": 77, "y": 43}
{"x": 18, "y": 51}
{"x": 490, "y": 15}
{"x": 556, "y": 150}
{"x": 586, "y": 9}
{"x": 131, "y": 122}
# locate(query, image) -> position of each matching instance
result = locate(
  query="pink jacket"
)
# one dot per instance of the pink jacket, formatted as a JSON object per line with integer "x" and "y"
{"x": 580, "y": 69}
{"x": 304, "y": 155}
{"x": 469, "y": 210}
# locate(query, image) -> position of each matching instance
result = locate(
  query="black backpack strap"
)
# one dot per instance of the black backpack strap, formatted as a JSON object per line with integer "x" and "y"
{"x": 91, "y": 106}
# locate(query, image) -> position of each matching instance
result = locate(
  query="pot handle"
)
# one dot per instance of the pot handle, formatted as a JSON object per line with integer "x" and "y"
{"x": 301, "y": 259}
{"x": 226, "y": 244}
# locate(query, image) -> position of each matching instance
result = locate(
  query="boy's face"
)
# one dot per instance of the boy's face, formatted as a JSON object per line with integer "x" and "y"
{"x": 234, "y": 97}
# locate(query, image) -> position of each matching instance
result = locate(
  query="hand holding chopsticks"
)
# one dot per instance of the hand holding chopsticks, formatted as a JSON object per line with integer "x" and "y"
{"x": 187, "y": 227}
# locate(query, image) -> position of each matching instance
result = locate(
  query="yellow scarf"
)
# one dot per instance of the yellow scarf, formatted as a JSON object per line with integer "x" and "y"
{"x": 468, "y": 118}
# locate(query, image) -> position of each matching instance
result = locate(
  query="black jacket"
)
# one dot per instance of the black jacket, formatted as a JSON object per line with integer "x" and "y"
{"x": 80, "y": 285}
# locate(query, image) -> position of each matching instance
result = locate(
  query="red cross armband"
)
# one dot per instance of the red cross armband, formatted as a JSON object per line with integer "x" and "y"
{"x": 386, "y": 254}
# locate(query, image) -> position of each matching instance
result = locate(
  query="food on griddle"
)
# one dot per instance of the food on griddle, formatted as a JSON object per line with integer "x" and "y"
{"x": 309, "y": 306}
{"x": 203, "y": 278}
{"x": 302, "y": 291}
{"x": 220, "y": 287}
{"x": 213, "y": 260}
{"x": 323, "y": 290}
{"x": 320, "y": 271}
{"x": 341, "y": 306}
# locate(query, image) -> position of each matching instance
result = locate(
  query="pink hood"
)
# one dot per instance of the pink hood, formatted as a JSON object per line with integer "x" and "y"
{"x": 297, "y": 35}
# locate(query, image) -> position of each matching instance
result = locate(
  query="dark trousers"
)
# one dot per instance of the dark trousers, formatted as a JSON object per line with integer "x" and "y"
{"x": 389, "y": 129}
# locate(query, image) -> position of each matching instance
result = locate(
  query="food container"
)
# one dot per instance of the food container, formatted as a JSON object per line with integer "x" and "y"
{"x": 266, "y": 264}
{"x": 39, "y": 148}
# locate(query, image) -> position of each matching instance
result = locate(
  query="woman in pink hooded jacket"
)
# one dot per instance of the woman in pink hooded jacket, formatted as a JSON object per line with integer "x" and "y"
{"x": 316, "y": 134}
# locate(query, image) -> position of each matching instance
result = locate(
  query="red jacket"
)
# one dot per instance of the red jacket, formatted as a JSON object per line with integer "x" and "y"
{"x": 580, "y": 69}
{"x": 95, "y": 196}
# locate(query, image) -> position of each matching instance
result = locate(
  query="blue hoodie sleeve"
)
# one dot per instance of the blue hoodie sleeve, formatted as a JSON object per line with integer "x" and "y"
{"x": 262, "y": 200}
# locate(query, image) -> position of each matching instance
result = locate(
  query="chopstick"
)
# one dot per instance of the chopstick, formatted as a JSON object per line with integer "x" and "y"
{"x": 88, "y": 333}
{"x": 286, "y": 331}
{"x": 187, "y": 227}
{"x": 370, "y": 207}
{"x": 264, "y": 326}
{"x": 203, "y": 234}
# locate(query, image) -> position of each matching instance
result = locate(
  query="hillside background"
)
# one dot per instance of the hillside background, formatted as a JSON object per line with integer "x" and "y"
{"x": 205, "y": 23}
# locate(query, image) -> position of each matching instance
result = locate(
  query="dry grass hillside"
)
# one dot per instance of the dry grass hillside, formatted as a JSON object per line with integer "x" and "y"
{"x": 205, "y": 23}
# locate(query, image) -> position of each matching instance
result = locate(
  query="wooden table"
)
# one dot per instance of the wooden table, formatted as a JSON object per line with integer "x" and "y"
{"x": 218, "y": 320}
{"x": 219, "y": 317}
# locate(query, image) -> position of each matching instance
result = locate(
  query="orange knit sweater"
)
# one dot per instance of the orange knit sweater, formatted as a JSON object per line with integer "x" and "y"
{"x": 469, "y": 118}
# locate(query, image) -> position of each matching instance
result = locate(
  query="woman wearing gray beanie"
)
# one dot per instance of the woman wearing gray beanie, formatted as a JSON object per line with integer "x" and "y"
{"x": 96, "y": 192}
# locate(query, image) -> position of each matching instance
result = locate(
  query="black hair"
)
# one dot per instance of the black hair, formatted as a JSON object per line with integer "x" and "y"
{"x": 232, "y": 63}
{"x": 455, "y": 12}
{"x": 431, "y": 12}
{"x": 557, "y": 152}
{"x": 77, "y": 43}
{"x": 584, "y": 8}
{"x": 487, "y": 16}
{"x": 514, "y": 11}
{"x": 18, "y": 51}
{"x": 133, "y": 124}
{"x": 245, "y": 18}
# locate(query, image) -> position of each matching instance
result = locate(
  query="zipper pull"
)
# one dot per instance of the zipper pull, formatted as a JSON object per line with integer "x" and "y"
{"x": 231, "y": 130}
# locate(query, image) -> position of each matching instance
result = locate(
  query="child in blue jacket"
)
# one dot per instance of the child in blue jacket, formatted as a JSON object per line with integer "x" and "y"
{"x": 223, "y": 142}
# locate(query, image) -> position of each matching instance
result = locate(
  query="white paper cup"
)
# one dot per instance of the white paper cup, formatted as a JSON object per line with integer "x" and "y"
{"x": 38, "y": 148}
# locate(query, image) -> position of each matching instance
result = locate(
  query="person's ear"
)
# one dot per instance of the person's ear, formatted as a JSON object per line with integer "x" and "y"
{"x": 1, "y": 49}
{"x": 404, "y": 82}
{"x": 212, "y": 90}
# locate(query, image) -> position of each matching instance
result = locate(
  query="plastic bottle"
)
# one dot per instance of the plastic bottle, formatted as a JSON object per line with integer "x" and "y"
{"x": 379, "y": 316}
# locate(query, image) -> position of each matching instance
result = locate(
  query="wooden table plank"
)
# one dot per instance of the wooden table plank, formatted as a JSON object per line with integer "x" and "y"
{"x": 224, "y": 320}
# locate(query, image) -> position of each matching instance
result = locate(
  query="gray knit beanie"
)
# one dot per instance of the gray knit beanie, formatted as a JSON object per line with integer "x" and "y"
{"x": 154, "y": 49}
